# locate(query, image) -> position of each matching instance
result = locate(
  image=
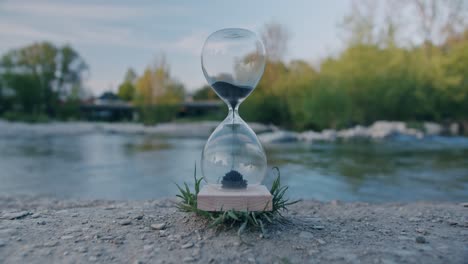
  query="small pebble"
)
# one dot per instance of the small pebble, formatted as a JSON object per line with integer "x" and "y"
{"x": 15, "y": 215}
{"x": 36, "y": 215}
{"x": 321, "y": 241}
{"x": 82, "y": 249}
{"x": 41, "y": 222}
{"x": 159, "y": 226}
{"x": 306, "y": 234}
{"x": 67, "y": 237}
{"x": 189, "y": 259}
{"x": 125, "y": 222}
{"x": 138, "y": 217}
{"x": 50, "y": 244}
{"x": 187, "y": 245}
{"x": 452, "y": 223}
{"x": 318, "y": 227}
{"x": 148, "y": 247}
{"x": 2, "y": 243}
{"x": 421, "y": 240}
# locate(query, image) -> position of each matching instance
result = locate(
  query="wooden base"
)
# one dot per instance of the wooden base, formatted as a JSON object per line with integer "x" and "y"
{"x": 254, "y": 198}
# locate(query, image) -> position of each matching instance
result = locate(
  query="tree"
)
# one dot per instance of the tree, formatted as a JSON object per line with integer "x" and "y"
{"x": 360, "y": 23}
{"x": 41, "y": 74}
{"x": 127, "y": 87}
{"x": 275, "y": 38}
{"x": 156, "y": 86}
{"x": 126, "y": 91}
{"x": 205, "y": 93}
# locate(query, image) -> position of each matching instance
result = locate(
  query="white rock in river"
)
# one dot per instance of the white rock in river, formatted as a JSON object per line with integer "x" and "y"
{"x": 325, "y": 135}
{"x": 432, "y": 129}
{"x": 278, "y": 137}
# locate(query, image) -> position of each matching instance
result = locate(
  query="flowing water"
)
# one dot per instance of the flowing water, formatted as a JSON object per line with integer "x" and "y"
{"x": 123, "y": 166}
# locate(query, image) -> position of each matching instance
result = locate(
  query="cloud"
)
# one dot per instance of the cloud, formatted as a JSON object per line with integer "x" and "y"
{"x": 75, "y": 33}
{"x": 24, "y": 31}
{"x": 191, "y": 43}
{"x": 89, "y": 11}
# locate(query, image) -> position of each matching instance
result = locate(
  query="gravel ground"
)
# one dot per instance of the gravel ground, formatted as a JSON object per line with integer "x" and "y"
{"x": 41, "y": 230}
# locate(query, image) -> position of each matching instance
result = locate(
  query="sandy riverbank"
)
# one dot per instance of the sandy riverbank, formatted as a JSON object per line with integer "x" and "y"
{"x": 34, "y": 230}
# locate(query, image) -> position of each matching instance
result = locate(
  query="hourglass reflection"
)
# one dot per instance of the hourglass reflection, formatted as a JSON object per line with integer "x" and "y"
{"x": 233, "y": 159}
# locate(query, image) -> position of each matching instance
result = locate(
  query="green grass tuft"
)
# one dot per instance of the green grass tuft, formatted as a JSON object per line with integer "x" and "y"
{"x": 243, "y": 219}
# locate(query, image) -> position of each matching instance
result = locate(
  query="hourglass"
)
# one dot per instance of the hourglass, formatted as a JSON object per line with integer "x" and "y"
{"x": 233, "y": 161}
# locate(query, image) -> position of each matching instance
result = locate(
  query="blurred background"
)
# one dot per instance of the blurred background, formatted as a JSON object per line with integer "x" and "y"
{"x": 360, "y": 100}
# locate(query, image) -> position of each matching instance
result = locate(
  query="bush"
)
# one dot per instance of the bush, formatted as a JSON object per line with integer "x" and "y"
{"x": 24, "y": 117}
{"x": 151, "y": 115}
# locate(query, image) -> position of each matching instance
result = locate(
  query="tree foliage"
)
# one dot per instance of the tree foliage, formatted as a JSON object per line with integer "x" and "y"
{"x": 205, "y": 93}
{"x": 158, "y": 94}
{"x": 127, "y": 89}
{"x": 35, "y": 79}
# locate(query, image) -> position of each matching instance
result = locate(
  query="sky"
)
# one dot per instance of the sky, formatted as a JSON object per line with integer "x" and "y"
{"x": 112, "y": 36}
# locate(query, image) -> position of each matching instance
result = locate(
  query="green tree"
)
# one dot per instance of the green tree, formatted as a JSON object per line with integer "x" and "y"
{"x": 39, "y": 76}
{"x": 127, "y": 89}
{"x": 205, "y": 93}
{"x": 158, "y": 95}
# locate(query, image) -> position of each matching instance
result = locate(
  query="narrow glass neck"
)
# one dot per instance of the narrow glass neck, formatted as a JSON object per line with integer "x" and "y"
{"x": 233, "y": 114}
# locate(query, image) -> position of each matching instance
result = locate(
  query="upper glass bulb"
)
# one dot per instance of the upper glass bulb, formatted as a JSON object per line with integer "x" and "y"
{"x": 233, "y": 61}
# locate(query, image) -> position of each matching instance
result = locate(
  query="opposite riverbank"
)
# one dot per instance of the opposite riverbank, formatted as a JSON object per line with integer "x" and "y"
{"x": 266, "y": 133}
{"x": 42, "y": 230}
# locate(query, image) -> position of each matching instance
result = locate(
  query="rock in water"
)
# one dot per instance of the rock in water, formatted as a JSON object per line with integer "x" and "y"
{"x": 233, "y": 180}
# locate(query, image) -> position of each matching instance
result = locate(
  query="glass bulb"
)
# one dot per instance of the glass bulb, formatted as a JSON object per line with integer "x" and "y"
{"x": 233, "y": 61}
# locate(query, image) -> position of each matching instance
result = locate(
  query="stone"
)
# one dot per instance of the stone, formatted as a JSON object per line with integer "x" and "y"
{"x": 421, "y": 240}
{"x": 148, "y": 248}
{"x": 187, "y": 245}
{"x": 318, "y": 227}
{"x": 2, "y": 243}
{"x": 306, "y": 235}
{"x": 50, "y": 244}
{"x": 312, "y": 252}
{"x": 41, "y": 222}
{"x": 138, "y": 217}
{"x": 189, "y": 259}
{"x": 159, "y": 226}
{"x": 15, "y": 215}
{"x": 125, "y": 222}
{"x": 82, "y": 249}
{"x": 67, "y": 237}
{"x": 321, "y": 241}
{"x": 422, "y": 231}
{"x": 36, "y": 215}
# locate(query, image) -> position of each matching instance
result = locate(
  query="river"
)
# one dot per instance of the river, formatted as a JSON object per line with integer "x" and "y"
{"x": 102, "y": 165}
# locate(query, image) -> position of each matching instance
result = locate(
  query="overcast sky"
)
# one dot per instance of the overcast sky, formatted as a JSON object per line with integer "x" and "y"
{"x": 114, "y": 35}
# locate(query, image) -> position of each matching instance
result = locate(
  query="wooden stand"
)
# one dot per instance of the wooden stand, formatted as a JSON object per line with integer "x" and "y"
{"x": 254, "y": 198}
